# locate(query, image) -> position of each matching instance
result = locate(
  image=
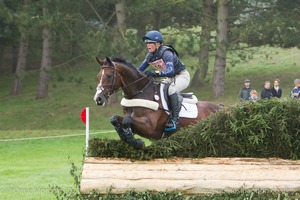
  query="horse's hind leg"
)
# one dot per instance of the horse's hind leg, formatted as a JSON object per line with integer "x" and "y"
{"x": 122, "y": 126}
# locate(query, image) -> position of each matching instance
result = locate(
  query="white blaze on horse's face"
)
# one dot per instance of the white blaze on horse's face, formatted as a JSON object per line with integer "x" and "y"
{"x": 99, "y": 89}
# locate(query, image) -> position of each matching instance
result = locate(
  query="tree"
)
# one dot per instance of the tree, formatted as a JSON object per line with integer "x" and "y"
{"x": 9, "y": 32}
{"x": 275, "y": 23}
{"x": 46, "y": 63}
{"x": 201, "y": 71}
{"x": 222, "y": 43}
{"x": 121, "y": 28}
{"x": 121, "y": 15}
{"x": 23, "y": 25}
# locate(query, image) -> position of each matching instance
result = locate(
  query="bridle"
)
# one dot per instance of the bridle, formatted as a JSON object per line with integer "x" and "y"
{"x": 113, "y": 82}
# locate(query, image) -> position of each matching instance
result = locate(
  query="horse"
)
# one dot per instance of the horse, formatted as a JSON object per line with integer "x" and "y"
{"x": 143, "y": 109}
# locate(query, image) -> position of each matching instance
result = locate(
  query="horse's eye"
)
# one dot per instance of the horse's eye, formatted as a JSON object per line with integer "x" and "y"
{"x": 108, "y": 76}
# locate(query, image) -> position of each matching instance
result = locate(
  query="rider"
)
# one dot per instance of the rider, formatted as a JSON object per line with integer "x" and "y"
{"x": 167, "y": 64}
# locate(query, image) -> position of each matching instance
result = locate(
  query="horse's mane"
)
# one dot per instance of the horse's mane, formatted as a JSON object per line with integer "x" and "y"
{"x": 123, "y": 61}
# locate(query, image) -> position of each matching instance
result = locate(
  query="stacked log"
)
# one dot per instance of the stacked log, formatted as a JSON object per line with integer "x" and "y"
{"x": 189, "y": 176}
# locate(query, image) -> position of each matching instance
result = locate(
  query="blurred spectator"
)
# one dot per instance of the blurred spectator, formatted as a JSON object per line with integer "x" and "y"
{"x": 253, "y": 95}
{"x": 276, "y": 89}
{"x": 295, "y": 93}
{"x": 244, "y": 93}
{"x": 266, "y": 93}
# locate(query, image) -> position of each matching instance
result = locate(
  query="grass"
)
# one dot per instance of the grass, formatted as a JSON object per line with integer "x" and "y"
{"x": 33, "y": 166}
{"x": 27, "y": 168}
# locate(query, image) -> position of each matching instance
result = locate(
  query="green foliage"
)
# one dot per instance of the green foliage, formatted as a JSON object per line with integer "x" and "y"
{"x": 275, "y": 25}
{"x": 252, "y": 194}
{"x": 150, "y": 195}
{"x": 262, "y": 129}
{"x": 268, "y": 128}
{"x": 186, "y": 41}
{"x": 239, "y": 194}
{"x": 115, "y": 148}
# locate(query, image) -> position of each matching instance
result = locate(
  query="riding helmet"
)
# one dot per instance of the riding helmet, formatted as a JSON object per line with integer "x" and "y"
{"x": 153, "y": 36}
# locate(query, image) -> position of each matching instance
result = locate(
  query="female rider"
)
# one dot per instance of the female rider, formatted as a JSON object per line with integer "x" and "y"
{"x": 167, "y": 64}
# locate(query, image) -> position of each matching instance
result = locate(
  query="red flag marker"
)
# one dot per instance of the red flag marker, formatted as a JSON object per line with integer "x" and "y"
{"x": 83, "y": 116}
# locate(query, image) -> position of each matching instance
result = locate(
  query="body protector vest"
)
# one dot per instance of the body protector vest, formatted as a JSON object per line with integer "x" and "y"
{"x": 157, "y": 59}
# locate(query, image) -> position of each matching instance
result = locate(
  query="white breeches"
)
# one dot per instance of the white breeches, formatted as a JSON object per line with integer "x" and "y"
{"x": 179, "y": 82}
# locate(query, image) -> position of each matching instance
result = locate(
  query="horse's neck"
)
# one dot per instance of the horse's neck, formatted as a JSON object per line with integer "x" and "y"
{"x": 132, "y": 82}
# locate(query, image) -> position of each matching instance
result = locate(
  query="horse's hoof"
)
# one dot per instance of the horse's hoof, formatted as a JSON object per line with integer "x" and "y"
{"x": 139, "y": 144}
{"x": 165, "y": 135}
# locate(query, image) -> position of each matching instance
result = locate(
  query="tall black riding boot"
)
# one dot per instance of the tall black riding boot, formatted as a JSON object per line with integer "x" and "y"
{"x": 175, "y": 101}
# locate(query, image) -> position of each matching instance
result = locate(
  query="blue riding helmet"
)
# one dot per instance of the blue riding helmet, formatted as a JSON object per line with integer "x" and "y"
{"x": 153, "y": 36}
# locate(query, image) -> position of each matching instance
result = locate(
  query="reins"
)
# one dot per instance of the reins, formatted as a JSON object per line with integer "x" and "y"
{"x": 138, "y": 92}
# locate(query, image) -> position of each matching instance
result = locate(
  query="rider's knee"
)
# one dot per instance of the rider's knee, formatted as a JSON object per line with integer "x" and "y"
{"x": 172, "y": 90}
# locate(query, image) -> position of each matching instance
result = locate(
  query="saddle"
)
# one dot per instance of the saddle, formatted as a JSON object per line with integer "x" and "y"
{"x": 188, "y": 107}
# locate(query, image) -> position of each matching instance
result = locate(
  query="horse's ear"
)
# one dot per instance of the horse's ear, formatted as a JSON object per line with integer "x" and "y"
{"x": 101, "y": 63}
{"x": 108, "y": 61}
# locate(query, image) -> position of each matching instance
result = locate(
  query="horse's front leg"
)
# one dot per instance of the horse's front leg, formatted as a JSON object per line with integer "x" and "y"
{"x": 116, "y": 121}
{"x": 126, "y": 124}
{"x": 123, "y": 127}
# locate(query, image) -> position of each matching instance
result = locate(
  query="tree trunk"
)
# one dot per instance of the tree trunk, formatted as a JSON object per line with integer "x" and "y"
{"x": 205, "y": 37}
{"x": 2, "y": 51}
{"x": 42, "y": 91}
{"x": 20, "y": 70}
{"x": 220, "y": 60}
{"x": 201, "y": 71}
{"x": 14, "y": 57}
{"x": 157, "y": 22}
{"x": 121, "y": 15}
{"x": 21, "y": 64}
{"x": 121, "y": 26}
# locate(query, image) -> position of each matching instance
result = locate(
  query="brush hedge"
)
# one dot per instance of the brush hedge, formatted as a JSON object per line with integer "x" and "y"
{"x": 267, "y": 128}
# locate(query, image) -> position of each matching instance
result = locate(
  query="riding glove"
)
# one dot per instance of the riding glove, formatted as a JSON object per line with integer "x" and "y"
{"x": 151, "y": 73}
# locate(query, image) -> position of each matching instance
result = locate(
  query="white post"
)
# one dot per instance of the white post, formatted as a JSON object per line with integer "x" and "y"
{"x": 87, "y": 128}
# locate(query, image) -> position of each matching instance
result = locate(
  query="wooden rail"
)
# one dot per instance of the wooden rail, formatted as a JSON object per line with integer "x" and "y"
{"x": 189, "y": 176}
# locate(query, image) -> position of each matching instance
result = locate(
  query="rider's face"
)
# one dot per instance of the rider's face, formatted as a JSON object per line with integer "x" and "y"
{"x": 151, "y": 47}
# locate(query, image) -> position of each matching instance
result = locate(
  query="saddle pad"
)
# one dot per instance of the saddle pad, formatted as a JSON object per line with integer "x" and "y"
{"x": 139, "y": 103}
{"x": 189, "y": 108}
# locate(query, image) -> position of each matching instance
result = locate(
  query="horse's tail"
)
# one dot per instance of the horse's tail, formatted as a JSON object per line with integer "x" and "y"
{"x": 217, "y": 107}
{"x": 221, "y": 106}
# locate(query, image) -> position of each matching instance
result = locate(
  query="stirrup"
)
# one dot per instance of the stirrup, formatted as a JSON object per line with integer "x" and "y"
{"x": 173, "y": 128}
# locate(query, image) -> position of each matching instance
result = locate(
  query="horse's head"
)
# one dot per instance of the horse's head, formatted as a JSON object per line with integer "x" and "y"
{"x": 108, "y": 81}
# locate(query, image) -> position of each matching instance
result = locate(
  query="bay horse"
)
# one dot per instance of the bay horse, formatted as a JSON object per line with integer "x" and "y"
{"x": 141, "y": 94}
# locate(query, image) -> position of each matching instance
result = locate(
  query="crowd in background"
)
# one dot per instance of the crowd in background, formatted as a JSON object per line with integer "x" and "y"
{"x": 248, "y": 94}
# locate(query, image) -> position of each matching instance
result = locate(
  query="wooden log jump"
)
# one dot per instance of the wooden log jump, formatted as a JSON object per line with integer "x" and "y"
{"x": 189, "y": 176}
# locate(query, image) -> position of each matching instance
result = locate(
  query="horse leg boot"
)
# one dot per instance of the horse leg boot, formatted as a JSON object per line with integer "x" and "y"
{"x": 175, "y": 101}
{"x": 114, "y": 120}
{"x": 136, "y": 143}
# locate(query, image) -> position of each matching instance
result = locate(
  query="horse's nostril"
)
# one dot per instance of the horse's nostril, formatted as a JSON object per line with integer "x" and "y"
{"x": 99, "y": 101}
